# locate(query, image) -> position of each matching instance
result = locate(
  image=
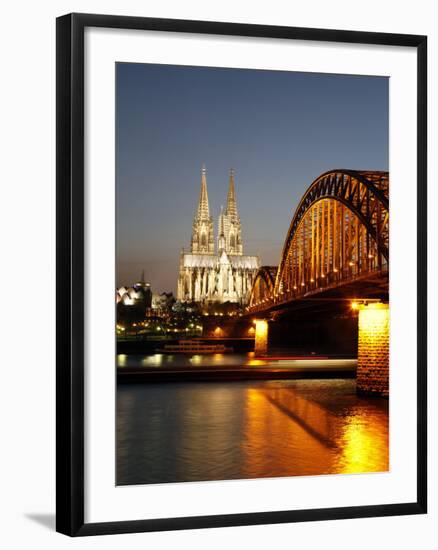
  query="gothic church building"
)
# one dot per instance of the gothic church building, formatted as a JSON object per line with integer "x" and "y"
{"x": 222, "y": 273}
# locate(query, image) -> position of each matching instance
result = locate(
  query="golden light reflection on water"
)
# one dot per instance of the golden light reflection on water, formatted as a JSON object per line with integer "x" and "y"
{"x": 216, "y": 431}
{"x": 363, "y": 445}
{"x": 309, "y": 437}
{"x": 294, "y": 451}
{"x": 256, "y": 362}
{"x": 152, "y": 360}
{"x": 252, "y": 361}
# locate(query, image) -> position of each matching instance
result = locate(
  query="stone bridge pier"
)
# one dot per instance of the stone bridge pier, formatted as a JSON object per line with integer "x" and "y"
{"x": 261, "y": 337}
{"x": 373, "y": 350}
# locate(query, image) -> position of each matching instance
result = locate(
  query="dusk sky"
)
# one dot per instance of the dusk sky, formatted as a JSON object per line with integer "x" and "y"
{"x": 278, "y": 130}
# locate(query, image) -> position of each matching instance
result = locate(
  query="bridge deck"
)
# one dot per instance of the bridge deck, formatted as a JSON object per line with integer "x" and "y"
{"x": 372, "y": 286}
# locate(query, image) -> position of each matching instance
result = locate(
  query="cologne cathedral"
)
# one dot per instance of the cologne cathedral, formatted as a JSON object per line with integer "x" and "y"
{"x": 220, "y": 273}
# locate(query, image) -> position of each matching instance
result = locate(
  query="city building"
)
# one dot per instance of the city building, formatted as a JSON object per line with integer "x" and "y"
{"x": 133, "y": 302}
{"x": 222, "y": 273}
{"x": 162, "y": 304}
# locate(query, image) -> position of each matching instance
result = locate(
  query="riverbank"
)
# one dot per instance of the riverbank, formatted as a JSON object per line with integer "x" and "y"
{"x": 266, "y": 369}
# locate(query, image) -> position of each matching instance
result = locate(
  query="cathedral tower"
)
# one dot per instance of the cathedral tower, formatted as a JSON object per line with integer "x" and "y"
{"x": 230, "y": 222}
{"x": 202, "y": 236}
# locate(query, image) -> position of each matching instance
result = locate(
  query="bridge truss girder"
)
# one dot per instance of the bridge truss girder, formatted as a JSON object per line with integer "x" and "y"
{"x": 340, "y": 231}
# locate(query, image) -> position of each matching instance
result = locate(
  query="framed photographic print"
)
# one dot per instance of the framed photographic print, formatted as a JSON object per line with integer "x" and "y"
{"x": 241, "y": 274}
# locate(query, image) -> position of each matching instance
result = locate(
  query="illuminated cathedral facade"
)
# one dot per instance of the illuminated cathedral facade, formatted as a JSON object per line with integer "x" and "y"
{"x": 216, "y": 270}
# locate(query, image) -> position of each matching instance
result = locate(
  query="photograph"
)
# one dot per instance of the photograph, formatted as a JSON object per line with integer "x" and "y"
{"x": 224, "y": 357}
{"x": 252, "y": 295}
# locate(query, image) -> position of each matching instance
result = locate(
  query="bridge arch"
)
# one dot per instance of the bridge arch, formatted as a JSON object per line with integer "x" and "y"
{"x": 340, "y": 229}
{"x": 339, "y": 232}
{"x": 263, "y": 285}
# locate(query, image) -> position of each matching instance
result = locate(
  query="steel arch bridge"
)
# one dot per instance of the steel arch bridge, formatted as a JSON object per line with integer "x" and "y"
{"x": 338, "y": 234}
{"x": 263, "y": 285}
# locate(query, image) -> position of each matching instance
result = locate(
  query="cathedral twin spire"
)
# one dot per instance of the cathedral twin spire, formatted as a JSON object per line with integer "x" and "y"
{"x": 203, "y": 207}
{"x": 229, "y": 230}
{"x": 202, "y": 235}
{"x": 231, "y": 198}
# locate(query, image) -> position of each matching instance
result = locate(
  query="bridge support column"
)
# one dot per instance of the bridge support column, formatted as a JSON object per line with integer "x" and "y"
{"x": 261, "y": 337}
{"x": 373, "y": 350}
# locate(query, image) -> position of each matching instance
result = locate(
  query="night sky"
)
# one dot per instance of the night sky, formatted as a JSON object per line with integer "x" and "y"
{"x": 278, "y": 130}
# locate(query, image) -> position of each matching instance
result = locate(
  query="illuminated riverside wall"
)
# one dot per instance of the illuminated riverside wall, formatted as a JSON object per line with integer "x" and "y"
{"x": 225, "y": 327}
{"x": 373, "y": 350}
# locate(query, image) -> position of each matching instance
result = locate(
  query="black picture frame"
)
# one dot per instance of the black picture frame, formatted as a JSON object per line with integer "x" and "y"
{"x": 70, "y": 273}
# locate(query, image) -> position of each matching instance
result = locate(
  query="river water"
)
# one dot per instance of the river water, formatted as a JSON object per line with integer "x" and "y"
{"x": 198, "y": 431}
